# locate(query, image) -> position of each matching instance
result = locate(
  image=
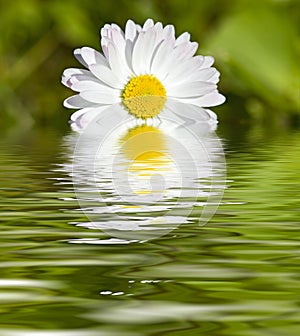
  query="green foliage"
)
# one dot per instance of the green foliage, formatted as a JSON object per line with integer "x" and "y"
{"x": 254, "y": 43}
{"x": 258, "y": 47}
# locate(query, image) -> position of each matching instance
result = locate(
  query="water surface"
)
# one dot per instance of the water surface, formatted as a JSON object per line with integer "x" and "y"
{"x": 237, "y": 275}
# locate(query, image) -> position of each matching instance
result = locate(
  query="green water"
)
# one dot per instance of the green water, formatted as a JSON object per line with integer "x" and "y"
{"x": 237, "y": 275}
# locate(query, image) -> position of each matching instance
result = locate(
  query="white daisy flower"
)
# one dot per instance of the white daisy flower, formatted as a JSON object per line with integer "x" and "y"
{"x": 121, "y": 173}
{"x": 142, "y": 69}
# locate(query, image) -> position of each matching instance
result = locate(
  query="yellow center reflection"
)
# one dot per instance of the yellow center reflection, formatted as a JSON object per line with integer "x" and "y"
{"x": 145, "y": 149}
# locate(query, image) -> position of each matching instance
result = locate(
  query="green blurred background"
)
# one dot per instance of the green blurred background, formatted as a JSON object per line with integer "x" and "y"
{"x": 255, "y": 44}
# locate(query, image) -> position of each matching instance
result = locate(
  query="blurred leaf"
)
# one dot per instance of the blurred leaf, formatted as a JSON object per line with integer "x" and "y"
{"x": 258, "y": 47}
{"x": 72, "y": 23}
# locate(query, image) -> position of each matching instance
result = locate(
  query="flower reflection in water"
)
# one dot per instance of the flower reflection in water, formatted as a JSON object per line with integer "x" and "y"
{"x": 138, "y": 182}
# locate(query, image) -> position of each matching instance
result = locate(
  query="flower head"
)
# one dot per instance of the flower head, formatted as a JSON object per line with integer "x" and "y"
{"x": 141, "y": 68}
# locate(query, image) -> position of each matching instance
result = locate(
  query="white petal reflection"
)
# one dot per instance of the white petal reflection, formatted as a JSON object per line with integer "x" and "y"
{"x": 140, "y": 181}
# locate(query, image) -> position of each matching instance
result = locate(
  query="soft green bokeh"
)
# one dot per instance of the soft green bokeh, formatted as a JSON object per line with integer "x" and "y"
{"x": 255, "y": 44}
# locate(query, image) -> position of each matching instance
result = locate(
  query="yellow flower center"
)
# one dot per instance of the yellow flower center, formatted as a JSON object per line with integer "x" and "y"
{"x": 144, "y": 96}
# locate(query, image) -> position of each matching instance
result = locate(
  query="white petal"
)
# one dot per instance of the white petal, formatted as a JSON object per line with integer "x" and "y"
{"x": 108, "y": 30}
{"x": 160, "y": 62}
{"x": 64, "y": 81}
{"x": 206, "y": 74}
{"x": 128, "y": 54}
{"x": 79, "y": 113}
{"x": 76, "y": 102}
{"x": 151, "y": 42}
{"x": 77, "y": 54}
{"x": 118, "y": 63}
{"x": 185, "y": 50}
{"x": 138, "y": 28}
{"x": 215, "y": 78}
{"x": 106, "y": 26}
{"x": 189, "y": 71}
{"x": 86, "y": 77}
{"x": 130, "y": 30}
{"x": 148, "y": 24}
{"x": 91, "y": 85}
{"x": 143, "y": 51}
{"x": 105, "y": 36}
{"x": 106, "y": 76}
{"x": 185, "y": 37}
{"x": 159, "y": 27}
{"x": 119, "y": 41}
{"x": 203, "y": 75}
{"x": 172, "y": 58}
{"x": 169, "y": 32}
{"x": 211, "y": 99}
{"x": 207, "y": 62}
{"x": 212, "y": 115}
{"x": 191, "y": 89}
{"x": 137, "y": 61}
{"x": 92, "y": 56}
{"x": 73, "y": 71}
{"x": 69, "y": 73}
{"x": 187, "y": 112}
{"x": 101, "y": 97}
{"x": 104, "y": 31}
{"x": 193, "y": 46}
{"x": 113, "y": 115}
{"x": 71, "y": 81}
{"x": 80, "y": 119}
{"x": 102, "y": 119}
{"x": 168, "y": 114}
{"x": 93, "y": 114}
{"x": 182, "y": 72}
{"x": 75, "y": 128}
{"x": 115, "y": 27}
{"x": 204, "y": 61}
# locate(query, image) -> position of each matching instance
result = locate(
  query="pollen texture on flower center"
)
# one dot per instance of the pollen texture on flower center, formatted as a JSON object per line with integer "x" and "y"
{"x": 144, "y": 96}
